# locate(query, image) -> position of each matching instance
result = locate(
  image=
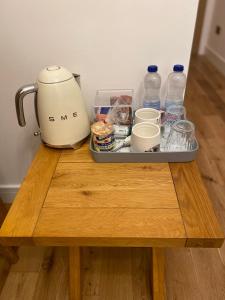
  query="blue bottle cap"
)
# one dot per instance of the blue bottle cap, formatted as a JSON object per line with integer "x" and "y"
{"x": 178, "y": 68}
{"x": 104, "y": 110}
{"x": 152, "y": 69}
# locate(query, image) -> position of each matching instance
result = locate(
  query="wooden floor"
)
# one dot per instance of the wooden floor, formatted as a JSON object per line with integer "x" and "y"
{"x": 123, "y": 274}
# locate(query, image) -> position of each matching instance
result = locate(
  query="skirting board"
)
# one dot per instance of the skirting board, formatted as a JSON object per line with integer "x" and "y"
{"x": 8, "y": 192}
{"x": 216, "y": 59}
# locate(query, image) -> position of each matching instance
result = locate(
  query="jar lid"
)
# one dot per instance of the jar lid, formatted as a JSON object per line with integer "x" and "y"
{"x": 54, "y": 74}
{"x": 102, "y": 129}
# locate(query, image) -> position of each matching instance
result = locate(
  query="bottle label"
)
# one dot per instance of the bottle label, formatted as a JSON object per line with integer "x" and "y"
{"x": 152, "y": 104}
{"x": 173, "y": 102}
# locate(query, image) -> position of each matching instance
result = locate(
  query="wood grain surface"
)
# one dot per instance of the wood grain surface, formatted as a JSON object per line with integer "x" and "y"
{"x": 80, "y": 155}
{"x": 110, "y": 205}
{"x": 110, "y": 227}
{"x": 112, "y": 185}
{"x": 10, "y": 253}
{"x": 4, "y": 271}
{"x": 158, "y": 274}
{"x": 53, "y": 275}
{"x": 20, "y": 222}
{"x": 201, "y": 224}
{"x": 74, "y": 273}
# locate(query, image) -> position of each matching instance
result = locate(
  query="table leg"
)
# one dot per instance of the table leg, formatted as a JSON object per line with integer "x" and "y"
{"x": 9, "y": 253}
{"x": 74, "y": 274}
{"x": 158, "y": 274}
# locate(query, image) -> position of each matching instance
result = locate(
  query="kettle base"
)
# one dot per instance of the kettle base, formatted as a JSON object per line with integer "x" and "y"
{"x": 75, "y": 146}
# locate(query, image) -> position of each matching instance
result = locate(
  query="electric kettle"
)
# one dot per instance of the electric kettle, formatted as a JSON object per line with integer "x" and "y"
{"x": 59, "y": 107}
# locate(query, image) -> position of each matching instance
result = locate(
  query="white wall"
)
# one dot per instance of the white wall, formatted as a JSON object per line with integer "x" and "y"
{"x": 109, "y": 42}
{"x": 206, "y": 27}
{"x": 211, "y": 44}
{"x": 215, "y": 47}
{"x": 217, "y": 42}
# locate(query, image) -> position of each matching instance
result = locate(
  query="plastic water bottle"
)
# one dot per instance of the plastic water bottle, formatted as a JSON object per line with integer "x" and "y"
{"x": 176, "y": 84}
{"x": 152, "y": 84}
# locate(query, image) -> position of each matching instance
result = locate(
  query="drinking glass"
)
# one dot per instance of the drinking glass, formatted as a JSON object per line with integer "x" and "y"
{"x": 181, "y": 136}
{"x": 173, "y": 113}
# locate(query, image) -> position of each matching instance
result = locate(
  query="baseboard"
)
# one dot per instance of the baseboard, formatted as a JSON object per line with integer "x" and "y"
{"x": 216, "y": 59}
{"x": 8, "y": 192}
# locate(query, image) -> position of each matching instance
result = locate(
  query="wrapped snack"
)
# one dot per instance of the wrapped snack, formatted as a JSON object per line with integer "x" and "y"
{"x": 102, "y": 114}
{"x": 103, "y": 136}
{"x": 121, "y": 131}
{"x": 121, "y": 110}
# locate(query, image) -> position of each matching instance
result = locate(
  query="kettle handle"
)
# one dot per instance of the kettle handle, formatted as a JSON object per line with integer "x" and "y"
{"x": 21, "y": 93}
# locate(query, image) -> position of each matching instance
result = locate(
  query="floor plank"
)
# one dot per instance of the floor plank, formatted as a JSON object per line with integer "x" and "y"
{"x": 19, "y": 285}
{"x": 140, "y": 273}
{"x": 116, "y": 282}
{"x": 181, "y": 277}
{"x": 35, "y": 255}
{"x": 210, "y": 273}
{"x": 92, "y": 264}
{"x": 53, "y": 277}
{"x": 4, "y": 271}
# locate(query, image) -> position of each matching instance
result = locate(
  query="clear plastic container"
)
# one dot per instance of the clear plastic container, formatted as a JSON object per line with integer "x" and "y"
{"x": 114, "y": 106}
{"x": 152, "y": 84}
{"x": 176, "y": 84}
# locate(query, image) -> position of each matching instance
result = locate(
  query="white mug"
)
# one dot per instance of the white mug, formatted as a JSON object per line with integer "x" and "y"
{"x": 145, "y": 137}
{"x": 149, "y": 115}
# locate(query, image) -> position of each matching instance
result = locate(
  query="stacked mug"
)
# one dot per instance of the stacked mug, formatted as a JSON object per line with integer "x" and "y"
{"x": 145, "y": 136}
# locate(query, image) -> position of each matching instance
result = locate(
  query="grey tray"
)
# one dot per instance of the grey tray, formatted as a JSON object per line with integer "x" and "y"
{"x": 118, "y": 157}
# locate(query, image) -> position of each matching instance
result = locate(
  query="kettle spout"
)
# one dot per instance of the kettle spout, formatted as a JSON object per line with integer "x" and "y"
{"x": 77, "y": 78}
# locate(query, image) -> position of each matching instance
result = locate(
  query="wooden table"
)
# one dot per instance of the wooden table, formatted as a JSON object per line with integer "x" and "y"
{"x": 67, "y": 199}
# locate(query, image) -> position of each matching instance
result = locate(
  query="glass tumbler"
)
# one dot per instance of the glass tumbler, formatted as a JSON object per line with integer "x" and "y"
{"x": 181, "y": 136}
{"x": 173, "y": 113}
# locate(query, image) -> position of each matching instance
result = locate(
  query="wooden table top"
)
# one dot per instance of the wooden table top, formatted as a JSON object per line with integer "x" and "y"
{"x": 67, "y": 199}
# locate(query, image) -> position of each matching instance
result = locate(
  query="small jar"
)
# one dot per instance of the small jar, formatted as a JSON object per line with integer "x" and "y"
{"x": 103, "y": 136}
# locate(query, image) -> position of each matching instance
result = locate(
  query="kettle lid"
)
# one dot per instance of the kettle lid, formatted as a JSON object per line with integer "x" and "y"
{"x": 54, "y": 74}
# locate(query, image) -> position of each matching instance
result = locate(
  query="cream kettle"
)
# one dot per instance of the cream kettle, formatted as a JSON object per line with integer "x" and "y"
{"x": 59, "y": 108}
